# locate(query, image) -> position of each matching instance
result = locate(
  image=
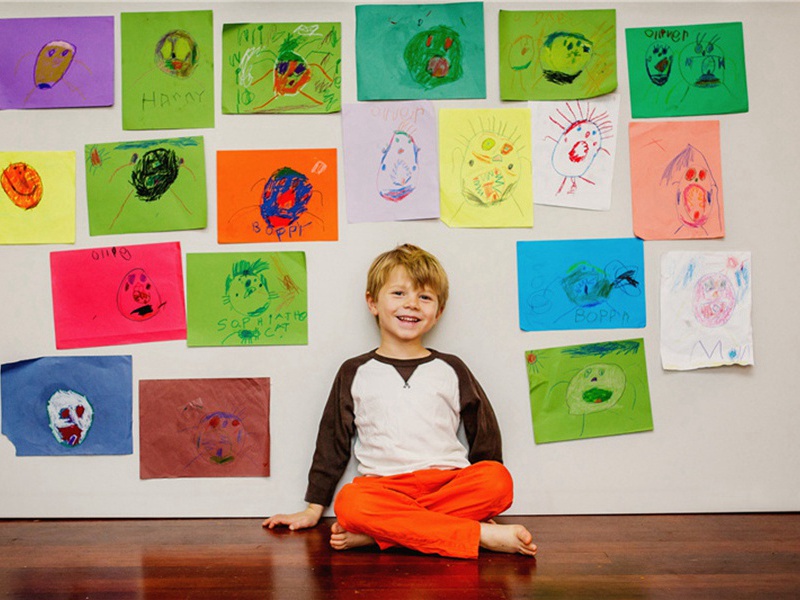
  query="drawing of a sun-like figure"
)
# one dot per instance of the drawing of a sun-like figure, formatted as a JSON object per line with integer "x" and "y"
{"x": 582, "y": 133}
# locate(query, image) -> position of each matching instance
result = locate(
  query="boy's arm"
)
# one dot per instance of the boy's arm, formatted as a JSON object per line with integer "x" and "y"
{"x": 480, "y": 422}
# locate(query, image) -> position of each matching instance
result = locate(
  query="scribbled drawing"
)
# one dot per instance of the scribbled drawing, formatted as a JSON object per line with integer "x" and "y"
{"x": 23, "y": 185}
{"x": 583, "y": 132}
{"x": 153, "y": 173}
{"x": 695, "y": 189}
{"x": 53, "y": 62}
{"x": 587, "y": 286}
{"x": 586, "y": 381}
{"x": 489, "y": 162}
{"x": 702, "y": 62}
{"x": 285, "y": 197}
{"x": 399, "y": 169}
{"x": 138, "y": 298}
{"x": 564, "y": 56}
{"x": 70, "y": 416}
{"x": 434, "y": 56}
{"x": 658, "y": 61}
{"x": 713, "y": 300}
{"x": 304, "y": 66}
{"x": 176, "y": 54}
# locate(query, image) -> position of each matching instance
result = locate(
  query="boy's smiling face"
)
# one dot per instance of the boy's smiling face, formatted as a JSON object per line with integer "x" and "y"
{"x": 405, "y": 312}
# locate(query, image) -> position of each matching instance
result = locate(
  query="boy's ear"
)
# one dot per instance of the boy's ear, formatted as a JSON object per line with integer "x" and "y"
{"x": 371, "y": 304}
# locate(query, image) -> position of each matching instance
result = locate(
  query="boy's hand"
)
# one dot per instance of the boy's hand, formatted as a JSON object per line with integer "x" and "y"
{"x": 299, "y": 520}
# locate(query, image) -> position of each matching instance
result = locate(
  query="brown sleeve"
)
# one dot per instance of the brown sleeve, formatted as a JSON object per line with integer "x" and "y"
{"x": 336, "y": 430}
{"x": 480, "y": 423}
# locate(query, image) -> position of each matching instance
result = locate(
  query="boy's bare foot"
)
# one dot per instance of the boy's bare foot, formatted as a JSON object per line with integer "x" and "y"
{"x": 507, "y": 538}
{"x": 341, "y": 539}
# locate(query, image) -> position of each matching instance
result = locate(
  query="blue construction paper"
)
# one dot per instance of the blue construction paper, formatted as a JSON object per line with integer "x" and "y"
{"x": 105, "y": 382}
{"x": 581, "y": 284}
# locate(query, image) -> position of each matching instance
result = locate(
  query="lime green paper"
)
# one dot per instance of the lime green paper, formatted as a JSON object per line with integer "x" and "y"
{"x": 589, "y": 390}
{"x": 281, "y": 68}
{"x": 153, "y": 185}
{"x": 485, "y": 167}
{"x": 557, "y": 55}
{"x": 49, "y": 218}
{"x": 167, "y": 70}
{"x": 687, "y": 70}
{"x": 253, "y": 298}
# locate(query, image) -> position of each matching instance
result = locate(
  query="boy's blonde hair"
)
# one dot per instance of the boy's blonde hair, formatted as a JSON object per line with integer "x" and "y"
{"x": 423, "y": 268}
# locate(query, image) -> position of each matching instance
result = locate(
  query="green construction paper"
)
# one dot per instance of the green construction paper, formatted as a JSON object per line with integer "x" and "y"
{"x": 167, "y": 70}
{"x": 557, "y": 55}
{"x": 420, "y": 51}
{"x": 589, "y": 390}
{"x": 246, "y": 298}
{"x": 281, "y": 68}
{"x": 126, "y": 190}
{"x": 687, "y": 70}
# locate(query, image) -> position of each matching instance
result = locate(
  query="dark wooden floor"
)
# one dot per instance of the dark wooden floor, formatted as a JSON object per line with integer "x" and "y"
{"x": 666, "y": 556}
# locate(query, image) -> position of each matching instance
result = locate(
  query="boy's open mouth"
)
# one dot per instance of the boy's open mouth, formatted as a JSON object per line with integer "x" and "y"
{"x": 408, "y": 319}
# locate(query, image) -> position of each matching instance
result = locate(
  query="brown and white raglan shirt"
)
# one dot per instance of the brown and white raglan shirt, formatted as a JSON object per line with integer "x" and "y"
{"x": 405, "y": 416}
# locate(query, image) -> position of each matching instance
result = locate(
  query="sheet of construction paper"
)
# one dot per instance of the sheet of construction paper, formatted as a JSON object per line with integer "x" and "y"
{"x": 574, "y": 149}
{"x": 581, "y": 284}
{"x": 485, "y": 167}
{"x": 57, "y": 62}
{"x": 277, "y": 195}
{"x": 679, "y": 70}
{"x": 557, "y": 54}
{"x": 281, "y": 68}
{"x": 204, "y": 427}
{"x": 706, "y": 307}
{"x": 152, "y": 185}
{"x": 391, "y": 162}
{"x": 420, "y": 51}
{"x": 118, "y": 295}
{"x": 167, "y": 70}
{"x": 247, "y": 298}
{"x": 68, "y": 405}
{"x": 589, "y": 390}
{"x": 37, "y": 201}
{"x": 676, "y": 180}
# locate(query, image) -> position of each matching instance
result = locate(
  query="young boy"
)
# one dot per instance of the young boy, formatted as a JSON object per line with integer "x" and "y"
{"x": 419, "y": 486}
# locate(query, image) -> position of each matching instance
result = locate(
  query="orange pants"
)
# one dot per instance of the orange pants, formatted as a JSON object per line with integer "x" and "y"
{"x": 432, "y": 511}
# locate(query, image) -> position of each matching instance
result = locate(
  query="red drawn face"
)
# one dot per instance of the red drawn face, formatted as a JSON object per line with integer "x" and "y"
{"x": 290, "y": 76}
{"x": 22, "y": 184}
{"x": 694, "y": 197}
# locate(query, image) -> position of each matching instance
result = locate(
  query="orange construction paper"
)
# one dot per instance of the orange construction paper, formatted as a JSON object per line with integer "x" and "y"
{"x": 277, "y": 195}
{"x": 676, "y": 180}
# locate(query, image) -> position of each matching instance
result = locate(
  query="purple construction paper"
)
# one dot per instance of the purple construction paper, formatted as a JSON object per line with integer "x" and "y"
{"x": 33, "y": 55}
{"x": 391, "y": 163}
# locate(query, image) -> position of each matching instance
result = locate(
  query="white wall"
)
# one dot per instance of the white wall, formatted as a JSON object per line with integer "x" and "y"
{"x": 724, "y": 440}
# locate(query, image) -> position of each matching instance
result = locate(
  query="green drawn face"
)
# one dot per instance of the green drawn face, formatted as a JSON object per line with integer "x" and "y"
{"x": 433, "y": 57}
{"x": 596, "y": 388}
{"x": 564, "y": 56}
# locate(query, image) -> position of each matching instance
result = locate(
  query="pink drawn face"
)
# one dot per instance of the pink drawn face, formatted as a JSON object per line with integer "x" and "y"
{"x": 714, "y": 300}
{"x": 694, "y": 196}
{"x": 138, "y": 298}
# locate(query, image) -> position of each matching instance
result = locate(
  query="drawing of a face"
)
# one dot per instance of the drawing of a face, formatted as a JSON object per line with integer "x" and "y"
{"x": 586, "y": 285}
{"x": 577, "y": 148}
{"x": 22, "y": 184}
{"x": 490, "y": 169}
{"x": 658, "y": 62}
{"x": 694, "y": 184}
{"x": 246, "y": 288}
{"x": 398, "y": 171}
{"x": 291, "y": 74}
{"x": 433, "y": 56}
{"x": 564, "y": 56}
{"x": 596, "y": 388}
{"x": 714, "y": 300}
{"x": 137, "y": 297}
{"x": 520, "y": 55}
{"x": 703, "y": 62}
{"x": 176, "y": 54}
{"x": 70, "y": 416}
{"x": 52, "y": 63}
{"x": 154, "y": 173}
{"x": 285, "y": 197}
{"x": 220, "y": 437}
